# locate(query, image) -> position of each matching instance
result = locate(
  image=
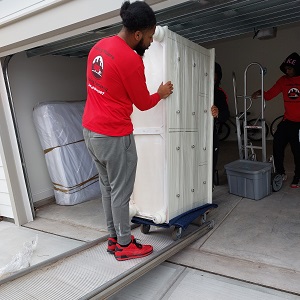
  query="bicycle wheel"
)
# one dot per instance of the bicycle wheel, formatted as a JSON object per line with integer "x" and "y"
{"x": 256, "y": 134}
{"x": 223, "y": 131}
{"x": 275, "y": 124}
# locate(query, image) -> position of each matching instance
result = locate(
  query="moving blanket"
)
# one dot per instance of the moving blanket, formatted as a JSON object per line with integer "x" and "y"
{"x": 71, "y": 169}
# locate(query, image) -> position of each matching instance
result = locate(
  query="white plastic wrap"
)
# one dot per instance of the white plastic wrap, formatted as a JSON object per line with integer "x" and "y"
{"x": 71, "y": 169}
{"x": 21, "y": 260}
{"x": 174, "y": 139}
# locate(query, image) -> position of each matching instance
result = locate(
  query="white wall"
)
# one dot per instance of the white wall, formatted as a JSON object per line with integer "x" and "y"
{"x": 35, "y": 80}
{"x": 235, "y": 55}
{"x": 5, "y": 205}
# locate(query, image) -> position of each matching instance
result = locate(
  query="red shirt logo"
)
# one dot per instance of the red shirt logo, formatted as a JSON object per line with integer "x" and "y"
{"x": 97, "y": 67}
{"x": 293, "y": 93}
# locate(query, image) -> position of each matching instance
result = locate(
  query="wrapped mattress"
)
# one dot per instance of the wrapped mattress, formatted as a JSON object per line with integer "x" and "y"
{"x": 71, "y": 169}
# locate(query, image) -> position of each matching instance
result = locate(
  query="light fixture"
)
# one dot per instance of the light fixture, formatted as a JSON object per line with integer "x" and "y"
{"x": 265, "y": 34}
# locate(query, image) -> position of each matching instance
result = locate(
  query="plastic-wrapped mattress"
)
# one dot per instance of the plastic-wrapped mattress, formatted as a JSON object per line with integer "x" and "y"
{"x": 71, "y": 169}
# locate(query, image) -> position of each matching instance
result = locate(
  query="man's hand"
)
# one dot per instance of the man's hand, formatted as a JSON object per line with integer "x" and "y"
{"x": 214, "y": 111}
{"x": 165, "y": 90}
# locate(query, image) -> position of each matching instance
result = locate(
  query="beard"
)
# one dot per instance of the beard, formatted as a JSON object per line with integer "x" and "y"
{"x": 140, "y": 48}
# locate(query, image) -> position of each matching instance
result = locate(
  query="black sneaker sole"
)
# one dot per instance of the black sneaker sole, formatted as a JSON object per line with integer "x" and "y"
{"x": 126, "y": 257}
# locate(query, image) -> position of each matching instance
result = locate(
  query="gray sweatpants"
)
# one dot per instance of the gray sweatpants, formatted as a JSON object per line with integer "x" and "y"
{"x": 116, "y": 161}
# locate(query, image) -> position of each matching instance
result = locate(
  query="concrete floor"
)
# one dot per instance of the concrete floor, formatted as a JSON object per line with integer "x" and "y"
{"x": 253, "y": 241}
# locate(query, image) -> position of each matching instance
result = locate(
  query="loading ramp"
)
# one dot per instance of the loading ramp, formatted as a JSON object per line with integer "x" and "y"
{"x": 89, "y": 272}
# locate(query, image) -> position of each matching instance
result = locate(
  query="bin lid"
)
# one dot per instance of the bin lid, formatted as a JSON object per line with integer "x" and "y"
{"x": 248, "y": 166}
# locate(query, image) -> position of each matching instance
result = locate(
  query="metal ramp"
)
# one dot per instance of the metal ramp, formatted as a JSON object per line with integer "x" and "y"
{"x": 89, "y": 272}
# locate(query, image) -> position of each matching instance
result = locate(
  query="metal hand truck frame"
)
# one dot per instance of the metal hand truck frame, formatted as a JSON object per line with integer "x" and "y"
{"x": 244, "y": 145}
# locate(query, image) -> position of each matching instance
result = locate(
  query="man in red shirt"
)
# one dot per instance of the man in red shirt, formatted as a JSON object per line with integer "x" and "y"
{"x": 115, "y": 82}
{"x": 288, "y": 129}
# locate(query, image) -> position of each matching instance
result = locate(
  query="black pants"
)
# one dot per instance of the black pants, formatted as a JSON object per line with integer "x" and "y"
{"x": 216, "y": 143}
{"x": 287, "y": 133}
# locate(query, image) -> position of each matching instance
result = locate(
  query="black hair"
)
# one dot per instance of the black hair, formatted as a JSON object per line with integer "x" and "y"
{"x": 137, "y": 16}
{"x": 218, "y": 71}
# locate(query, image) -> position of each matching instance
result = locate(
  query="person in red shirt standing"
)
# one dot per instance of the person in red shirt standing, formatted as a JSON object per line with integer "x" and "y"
{"x": 115, "y": 82}
{"x": 288, "y": 129}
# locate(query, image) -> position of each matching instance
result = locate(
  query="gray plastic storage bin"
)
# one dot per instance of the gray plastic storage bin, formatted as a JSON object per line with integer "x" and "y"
{"x": 250, "y": 179}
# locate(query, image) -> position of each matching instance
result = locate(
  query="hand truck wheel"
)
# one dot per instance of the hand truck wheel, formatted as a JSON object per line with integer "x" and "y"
{"x": 145, "y": 228}
{"x": 176, "y": 234}
{"x": 277, "y": 182}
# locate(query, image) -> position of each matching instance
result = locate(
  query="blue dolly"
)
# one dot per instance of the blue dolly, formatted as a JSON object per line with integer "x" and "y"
{"x": 180, "y": 222}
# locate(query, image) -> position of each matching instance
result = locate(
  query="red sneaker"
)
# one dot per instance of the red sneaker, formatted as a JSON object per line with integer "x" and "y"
{"x": 111, "y": 244}
{"x": 295, "y": 183}
{"x": 133, "y": 250}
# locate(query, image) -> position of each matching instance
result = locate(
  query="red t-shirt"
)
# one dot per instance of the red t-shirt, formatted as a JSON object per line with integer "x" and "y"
{"x": 115, "y": 82}
{"x": 290, "y": 89}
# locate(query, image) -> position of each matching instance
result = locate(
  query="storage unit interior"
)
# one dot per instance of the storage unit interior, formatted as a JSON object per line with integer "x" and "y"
{"x": 35, "y": 80}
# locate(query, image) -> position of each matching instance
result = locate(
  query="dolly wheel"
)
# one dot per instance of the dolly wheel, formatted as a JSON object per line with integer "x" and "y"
{"x": 145, "y": 228}
{"x": 277, "y": 182}
{"x": 176, "y": 234}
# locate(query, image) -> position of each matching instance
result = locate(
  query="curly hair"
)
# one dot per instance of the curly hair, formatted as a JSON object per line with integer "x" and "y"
{"x": 137, "y": 16}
